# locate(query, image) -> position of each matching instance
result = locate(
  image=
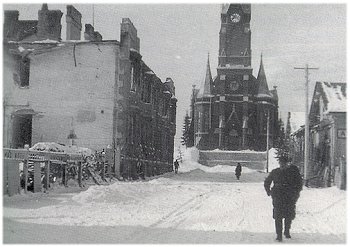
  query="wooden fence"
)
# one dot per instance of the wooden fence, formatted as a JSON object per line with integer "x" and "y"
{"x": 14, "y": 159}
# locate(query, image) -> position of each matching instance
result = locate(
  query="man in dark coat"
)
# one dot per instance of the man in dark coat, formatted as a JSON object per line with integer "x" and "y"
{"x": 287, "y": 184}
{"x": 238, "y": 170}
{"x": 176, "y": 166}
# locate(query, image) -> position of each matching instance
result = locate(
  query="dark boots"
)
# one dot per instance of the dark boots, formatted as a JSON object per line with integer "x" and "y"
{"x": 278, "y": 226}
{"x": 287, "y": 224}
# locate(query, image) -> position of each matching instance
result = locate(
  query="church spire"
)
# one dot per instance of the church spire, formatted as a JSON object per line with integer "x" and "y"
{"x": 206, "y": 89}
{"x": 208, "y": 82}
{"x": 263, "y": 88}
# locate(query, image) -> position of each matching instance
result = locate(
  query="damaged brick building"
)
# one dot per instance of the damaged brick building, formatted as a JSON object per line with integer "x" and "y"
{"x": 91, "y": 93}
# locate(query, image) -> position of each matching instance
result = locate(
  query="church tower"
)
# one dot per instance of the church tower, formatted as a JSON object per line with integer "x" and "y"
{"x": 234, "y": 84}
{"x": 236, "y": 110}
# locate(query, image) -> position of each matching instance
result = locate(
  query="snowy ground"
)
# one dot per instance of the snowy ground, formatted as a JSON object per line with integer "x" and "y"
{"x": 198, "y": 205}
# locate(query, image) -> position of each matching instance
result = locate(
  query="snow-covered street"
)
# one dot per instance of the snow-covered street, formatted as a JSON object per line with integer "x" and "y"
{"x": 197, "y": 205}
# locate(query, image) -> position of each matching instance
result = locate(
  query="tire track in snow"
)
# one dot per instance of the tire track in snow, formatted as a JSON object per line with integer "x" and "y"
{"x": 182, "y": 212}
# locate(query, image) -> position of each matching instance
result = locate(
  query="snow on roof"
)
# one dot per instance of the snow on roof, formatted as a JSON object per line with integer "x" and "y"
{"x": 133, "y": 50}
{"x": 46, "y": 41}
{"x": 335, "y": 96}
{"x": 263, "y": 95}
{"x": 234, "y": 151}
{"x": 48, "y": 147}
{"x": 297, "y": 119}
{"x": 56, "y": 147}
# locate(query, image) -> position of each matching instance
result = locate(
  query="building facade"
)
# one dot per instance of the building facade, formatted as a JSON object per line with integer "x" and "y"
{"x": 234, "y": 110}
{"x": 97, "y": 92}
{"x": 327, "y": 159}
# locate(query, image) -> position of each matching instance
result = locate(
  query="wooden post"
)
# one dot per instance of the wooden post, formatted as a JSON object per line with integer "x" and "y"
{"x": 103, "y": 169}
{"x": 64, "y": 168}
{"x": 37, "y": 177}
{"x": 109, "y": 160}
{"x": 80, "y": 174}
{"x": 66, "y": 174}
{"x": 25, "y": 169}
{"x": 25, "y": 174}
{"x": 5, "y": 177}
{"x": 47, "y": 174}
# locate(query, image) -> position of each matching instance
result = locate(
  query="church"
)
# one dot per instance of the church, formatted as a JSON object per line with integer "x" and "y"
{"x": 234, "y": 110}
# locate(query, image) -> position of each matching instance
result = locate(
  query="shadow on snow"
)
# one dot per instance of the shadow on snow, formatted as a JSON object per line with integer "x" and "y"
{"x": 16, "y": 232}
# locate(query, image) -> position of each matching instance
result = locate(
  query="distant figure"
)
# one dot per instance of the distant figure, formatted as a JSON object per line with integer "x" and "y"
{"x": 140, "y": 169}
{"x": 287, "y": 184}
{"x": 238, "y": 170}
{"x": 176, "y": 166}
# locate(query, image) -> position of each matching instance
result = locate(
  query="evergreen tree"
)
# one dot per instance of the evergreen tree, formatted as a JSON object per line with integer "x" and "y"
{"x": 280, "y": 136}
{"x": 185, "y": 139}
{"x": 283, "y": 149}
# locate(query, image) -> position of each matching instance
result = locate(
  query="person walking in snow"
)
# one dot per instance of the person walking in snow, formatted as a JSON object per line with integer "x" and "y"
{"x": 238, "y": 170}
{"x": 287, "y": 184}
{"x": 176, "y": 166}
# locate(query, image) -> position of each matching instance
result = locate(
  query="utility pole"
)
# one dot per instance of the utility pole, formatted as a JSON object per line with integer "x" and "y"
{"x": 193, "y": 102}
{"x": 306, "y": 149}
{"x": 267, "y": 140}
{"x": 93, "y": 15}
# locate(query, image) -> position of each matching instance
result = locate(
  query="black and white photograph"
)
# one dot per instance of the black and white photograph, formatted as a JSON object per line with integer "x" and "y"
{"x": 174, "y": 122}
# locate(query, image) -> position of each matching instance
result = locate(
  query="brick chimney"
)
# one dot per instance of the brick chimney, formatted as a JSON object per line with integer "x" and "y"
{"x": 73, "y": 19}
{"x": 91, "y": 34}
{"x": 10, "y": 24}
{"x": 49, "y": 24}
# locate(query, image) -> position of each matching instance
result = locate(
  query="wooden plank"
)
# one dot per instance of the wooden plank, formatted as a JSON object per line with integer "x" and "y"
{"x": 37, "y": 177}
{"x": 80, "y": 174}
{"x": 5, "y": 176}
{"x": 13, "y": 182}
{"x": 15, "y": 154}
{"x": 47, "y": 175}
{"x": 25, "y": 174}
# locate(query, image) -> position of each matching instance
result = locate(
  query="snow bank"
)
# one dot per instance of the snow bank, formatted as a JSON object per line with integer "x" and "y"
{"x": 190, "y": 163}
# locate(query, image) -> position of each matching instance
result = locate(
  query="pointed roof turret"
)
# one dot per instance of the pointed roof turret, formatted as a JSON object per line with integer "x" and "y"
{"x": 263, "y": 88}
{"x": 206, "y": 88}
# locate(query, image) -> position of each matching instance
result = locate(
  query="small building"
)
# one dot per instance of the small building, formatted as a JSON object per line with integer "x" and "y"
{"x": 327, "y": 160}
{"x": 96, "y": 92}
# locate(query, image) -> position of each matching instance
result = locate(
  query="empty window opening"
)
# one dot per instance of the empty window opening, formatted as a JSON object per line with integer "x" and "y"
{"x": 22, "y": 130}
{"x": 23, "y": 66}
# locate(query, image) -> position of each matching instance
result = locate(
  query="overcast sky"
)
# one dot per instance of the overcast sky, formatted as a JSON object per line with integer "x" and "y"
{"x": 176, "y": 38}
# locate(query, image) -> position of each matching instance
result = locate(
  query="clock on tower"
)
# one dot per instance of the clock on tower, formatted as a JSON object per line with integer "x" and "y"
{"x": 235, "y": 17}
{"x": 235, "y": 36}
